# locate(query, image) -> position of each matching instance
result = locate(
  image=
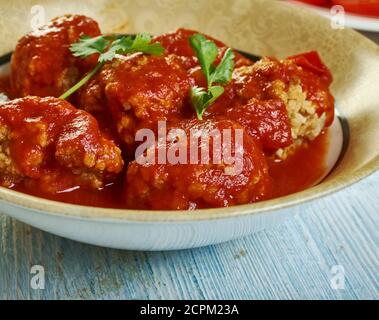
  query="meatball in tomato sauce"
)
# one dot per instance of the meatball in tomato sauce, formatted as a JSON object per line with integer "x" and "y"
{"x": 256, "y": 130}
{"x": 138, "y": 90}
{"x": 48, "y": 143}
{"x": 42, "y": 64}
{"x": 178, "y": 43}
{"x": 264, "y": 115}
{"x": 281, "y": 103}
{"x": 200, "y": 184}
{"x": 302, "y": 84}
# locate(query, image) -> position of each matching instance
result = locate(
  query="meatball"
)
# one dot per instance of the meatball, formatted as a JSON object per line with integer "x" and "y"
{"x": 42, "y": 64}
{"x": 265, "y": 120}
{"x": 282, "y": 103}
{"x": 51, "y": 143}
{"x": 302, "y": 82}
{"x": 192, "y": 183}
{"x": 137, "y": 90}
{"x": 263, "y": 115}
{"x": 178, "y": 43}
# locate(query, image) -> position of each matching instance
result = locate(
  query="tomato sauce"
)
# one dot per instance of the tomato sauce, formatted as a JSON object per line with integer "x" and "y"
{"x": 298, "y": 172}
{"x": 47, "y": 152}
{"x": 301, "y": 170}
{"x": 43, "y": 65}
{"x": 5, "y": 88}
{"x": 110, "y": 196}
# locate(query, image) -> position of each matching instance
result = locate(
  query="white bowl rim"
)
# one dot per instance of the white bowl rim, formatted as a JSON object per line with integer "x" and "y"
{"x": 52, "y": 207}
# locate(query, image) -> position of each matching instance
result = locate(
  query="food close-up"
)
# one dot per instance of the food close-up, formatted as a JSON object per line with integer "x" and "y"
{"x": 189, "y": 156}
{"x": 75, "y": 100}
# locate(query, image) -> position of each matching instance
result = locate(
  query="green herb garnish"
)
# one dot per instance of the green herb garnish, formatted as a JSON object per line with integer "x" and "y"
{"x": 108, "y": 47}
{"x": 206, "y": 52}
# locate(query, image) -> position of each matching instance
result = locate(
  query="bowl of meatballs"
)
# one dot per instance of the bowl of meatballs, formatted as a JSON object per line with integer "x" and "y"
{"x": 170, "y": 140}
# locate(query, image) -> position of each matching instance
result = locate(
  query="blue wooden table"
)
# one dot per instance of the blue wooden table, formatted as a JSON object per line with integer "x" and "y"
{"x": 329, "y": 250}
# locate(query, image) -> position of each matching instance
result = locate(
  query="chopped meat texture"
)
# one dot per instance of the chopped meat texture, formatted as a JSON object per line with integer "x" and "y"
{"x": 49, "y": 142}
{"x": 138, "y": 91}
{"x": 265, "y": 120}
{"x": 217, "y": 179}
{"x": 42, "y": 64}
{"x": 264, "y": 116}
{"x": 178, "y": 43}
{"x": 270, "y": 78}
{"x": 279, "y": 102}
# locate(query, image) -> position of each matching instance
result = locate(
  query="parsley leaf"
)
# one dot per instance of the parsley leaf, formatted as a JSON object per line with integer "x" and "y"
{"x": 224, "y": 71}
{"x": 87, "y": 46}
{"x": 201, "y": 98}
{"x": 108, "y": 47}
{"x": 142, "y": 42}
{"x": 206, "y": 52}
{"x": 124, "y": 45}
